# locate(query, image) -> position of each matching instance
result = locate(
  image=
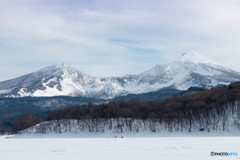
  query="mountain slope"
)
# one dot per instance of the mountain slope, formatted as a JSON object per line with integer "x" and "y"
{"x": 50, "y": 81}
{"x": 189, "y": 70}
{"x": 155, "y": 96}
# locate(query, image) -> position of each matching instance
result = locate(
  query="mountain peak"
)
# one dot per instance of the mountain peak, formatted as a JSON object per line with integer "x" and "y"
{"x": 194, "y": 57}
{"x": 190, "y": 53}
{"x": 58, "y": 66}
{"x": 59, "y": 69}
{"x": 61, "y": 65}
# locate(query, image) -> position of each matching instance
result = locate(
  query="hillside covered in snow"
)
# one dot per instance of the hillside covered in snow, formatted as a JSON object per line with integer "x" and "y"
{"x": 227, "y": 123}
{"x": 208, "y": 111}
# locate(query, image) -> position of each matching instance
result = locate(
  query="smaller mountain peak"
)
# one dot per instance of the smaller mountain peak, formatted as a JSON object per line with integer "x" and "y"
{"x": 65, "y": 67}
{"x": 195, "y": 57}
{"x": 62, "y": 65}
{"x": 59, "y": 68}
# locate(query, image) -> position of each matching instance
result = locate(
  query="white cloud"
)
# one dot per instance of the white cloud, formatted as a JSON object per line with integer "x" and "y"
{"x": 84, "y": 33}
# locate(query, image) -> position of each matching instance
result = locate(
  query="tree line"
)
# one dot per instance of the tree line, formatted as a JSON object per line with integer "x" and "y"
{"x": 205, "y": 109}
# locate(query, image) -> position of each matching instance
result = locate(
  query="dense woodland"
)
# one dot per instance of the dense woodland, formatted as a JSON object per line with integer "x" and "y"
{"x": 206, "y": 109}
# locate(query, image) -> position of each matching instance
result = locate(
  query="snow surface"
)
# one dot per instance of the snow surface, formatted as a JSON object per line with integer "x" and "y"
{"x": 161, "y": 148}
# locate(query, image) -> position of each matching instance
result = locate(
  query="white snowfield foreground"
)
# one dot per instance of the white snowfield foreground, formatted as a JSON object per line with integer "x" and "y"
{"x": 168, "y": 148}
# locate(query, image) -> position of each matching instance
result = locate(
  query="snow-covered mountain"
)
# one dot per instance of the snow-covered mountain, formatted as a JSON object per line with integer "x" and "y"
{"x": 189, "y": 70}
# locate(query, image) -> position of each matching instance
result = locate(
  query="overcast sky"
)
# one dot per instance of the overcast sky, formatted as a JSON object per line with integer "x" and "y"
{"x": 115, "y": 37}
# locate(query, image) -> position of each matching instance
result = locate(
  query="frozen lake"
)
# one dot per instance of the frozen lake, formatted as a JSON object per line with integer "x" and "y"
{"x": 163, "y": 148}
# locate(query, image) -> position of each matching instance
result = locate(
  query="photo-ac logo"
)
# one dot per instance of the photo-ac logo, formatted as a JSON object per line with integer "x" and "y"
{"x": 224, "y": 153}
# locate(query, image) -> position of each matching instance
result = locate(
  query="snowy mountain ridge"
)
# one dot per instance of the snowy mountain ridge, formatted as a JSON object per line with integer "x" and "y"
{"x": 190, "y": 70}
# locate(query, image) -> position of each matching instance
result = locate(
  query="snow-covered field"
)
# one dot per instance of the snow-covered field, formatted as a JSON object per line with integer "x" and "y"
{"x": 162, "y": 148}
